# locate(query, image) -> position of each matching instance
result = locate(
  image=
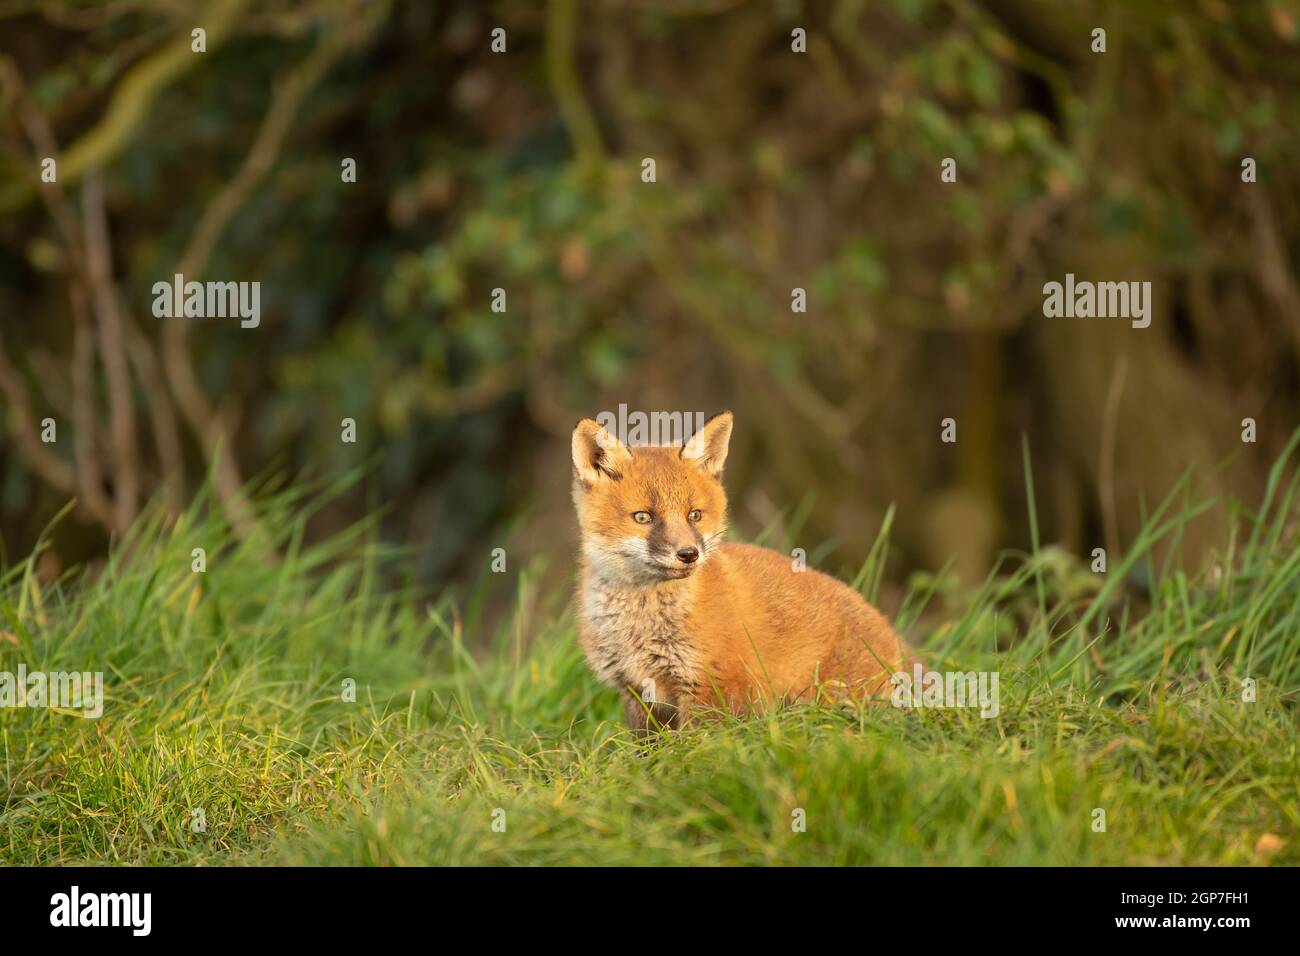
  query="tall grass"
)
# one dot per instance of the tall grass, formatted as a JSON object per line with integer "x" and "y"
{"x": 224, "y": 694}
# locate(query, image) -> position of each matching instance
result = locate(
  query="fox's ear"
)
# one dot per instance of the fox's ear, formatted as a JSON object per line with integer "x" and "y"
{"x": 596, "y": 452}
{"x": 707, "y": 449}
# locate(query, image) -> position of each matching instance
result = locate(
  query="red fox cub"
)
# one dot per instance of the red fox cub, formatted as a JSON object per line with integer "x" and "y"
{"x": 679, "y": 620}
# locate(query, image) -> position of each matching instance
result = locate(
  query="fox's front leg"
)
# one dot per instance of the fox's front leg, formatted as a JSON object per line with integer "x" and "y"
{"x": 647, "y": 717}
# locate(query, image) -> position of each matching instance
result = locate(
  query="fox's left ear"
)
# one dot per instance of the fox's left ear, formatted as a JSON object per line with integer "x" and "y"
{"x": 707, "y": 449}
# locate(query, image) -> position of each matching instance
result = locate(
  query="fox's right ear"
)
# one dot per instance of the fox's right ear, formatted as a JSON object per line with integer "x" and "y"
{"x": 596, "y": 452}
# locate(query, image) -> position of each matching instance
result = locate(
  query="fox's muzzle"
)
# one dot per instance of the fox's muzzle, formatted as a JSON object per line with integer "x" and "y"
{"x": 676, "y": 539}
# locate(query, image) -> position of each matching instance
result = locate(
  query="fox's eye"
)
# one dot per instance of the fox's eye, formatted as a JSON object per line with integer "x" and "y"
{"x": 642, "y": 517}
{"x": 695, "y": 515}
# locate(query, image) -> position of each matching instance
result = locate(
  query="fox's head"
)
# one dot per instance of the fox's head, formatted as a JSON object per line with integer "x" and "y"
{"x": 650, "y": 513}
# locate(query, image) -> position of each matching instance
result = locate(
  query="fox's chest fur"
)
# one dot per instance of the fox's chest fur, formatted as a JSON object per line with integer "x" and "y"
{"x": 633, "y": 634}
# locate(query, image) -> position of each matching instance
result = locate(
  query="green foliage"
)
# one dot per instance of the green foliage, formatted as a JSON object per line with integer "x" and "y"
{"x": 777, "y": 170}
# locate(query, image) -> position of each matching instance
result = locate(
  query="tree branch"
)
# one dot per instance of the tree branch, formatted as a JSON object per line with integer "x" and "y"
{"x": 121, "y": 398}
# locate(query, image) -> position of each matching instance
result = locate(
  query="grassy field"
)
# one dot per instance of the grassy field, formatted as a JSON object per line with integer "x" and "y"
{"x": 223, "y": 693}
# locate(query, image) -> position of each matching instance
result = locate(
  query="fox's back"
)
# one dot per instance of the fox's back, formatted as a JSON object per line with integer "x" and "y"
{"x": 758, "y": 621}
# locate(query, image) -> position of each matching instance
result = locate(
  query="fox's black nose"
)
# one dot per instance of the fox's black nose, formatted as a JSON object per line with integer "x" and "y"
{"x": 687, "y": 555}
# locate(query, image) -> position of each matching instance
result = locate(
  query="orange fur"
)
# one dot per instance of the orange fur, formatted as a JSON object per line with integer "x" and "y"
{"x": 736, "y": 626}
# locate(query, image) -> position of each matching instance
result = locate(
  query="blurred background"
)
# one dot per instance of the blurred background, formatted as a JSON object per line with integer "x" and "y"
{"x": 522, "y": 170}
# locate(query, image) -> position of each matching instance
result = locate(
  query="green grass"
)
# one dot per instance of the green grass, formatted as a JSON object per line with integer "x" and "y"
{"x": 223, "y": 693}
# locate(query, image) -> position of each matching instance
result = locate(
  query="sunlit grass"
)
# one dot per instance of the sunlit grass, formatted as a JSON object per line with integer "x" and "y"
{"x": 224, "y": 693}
